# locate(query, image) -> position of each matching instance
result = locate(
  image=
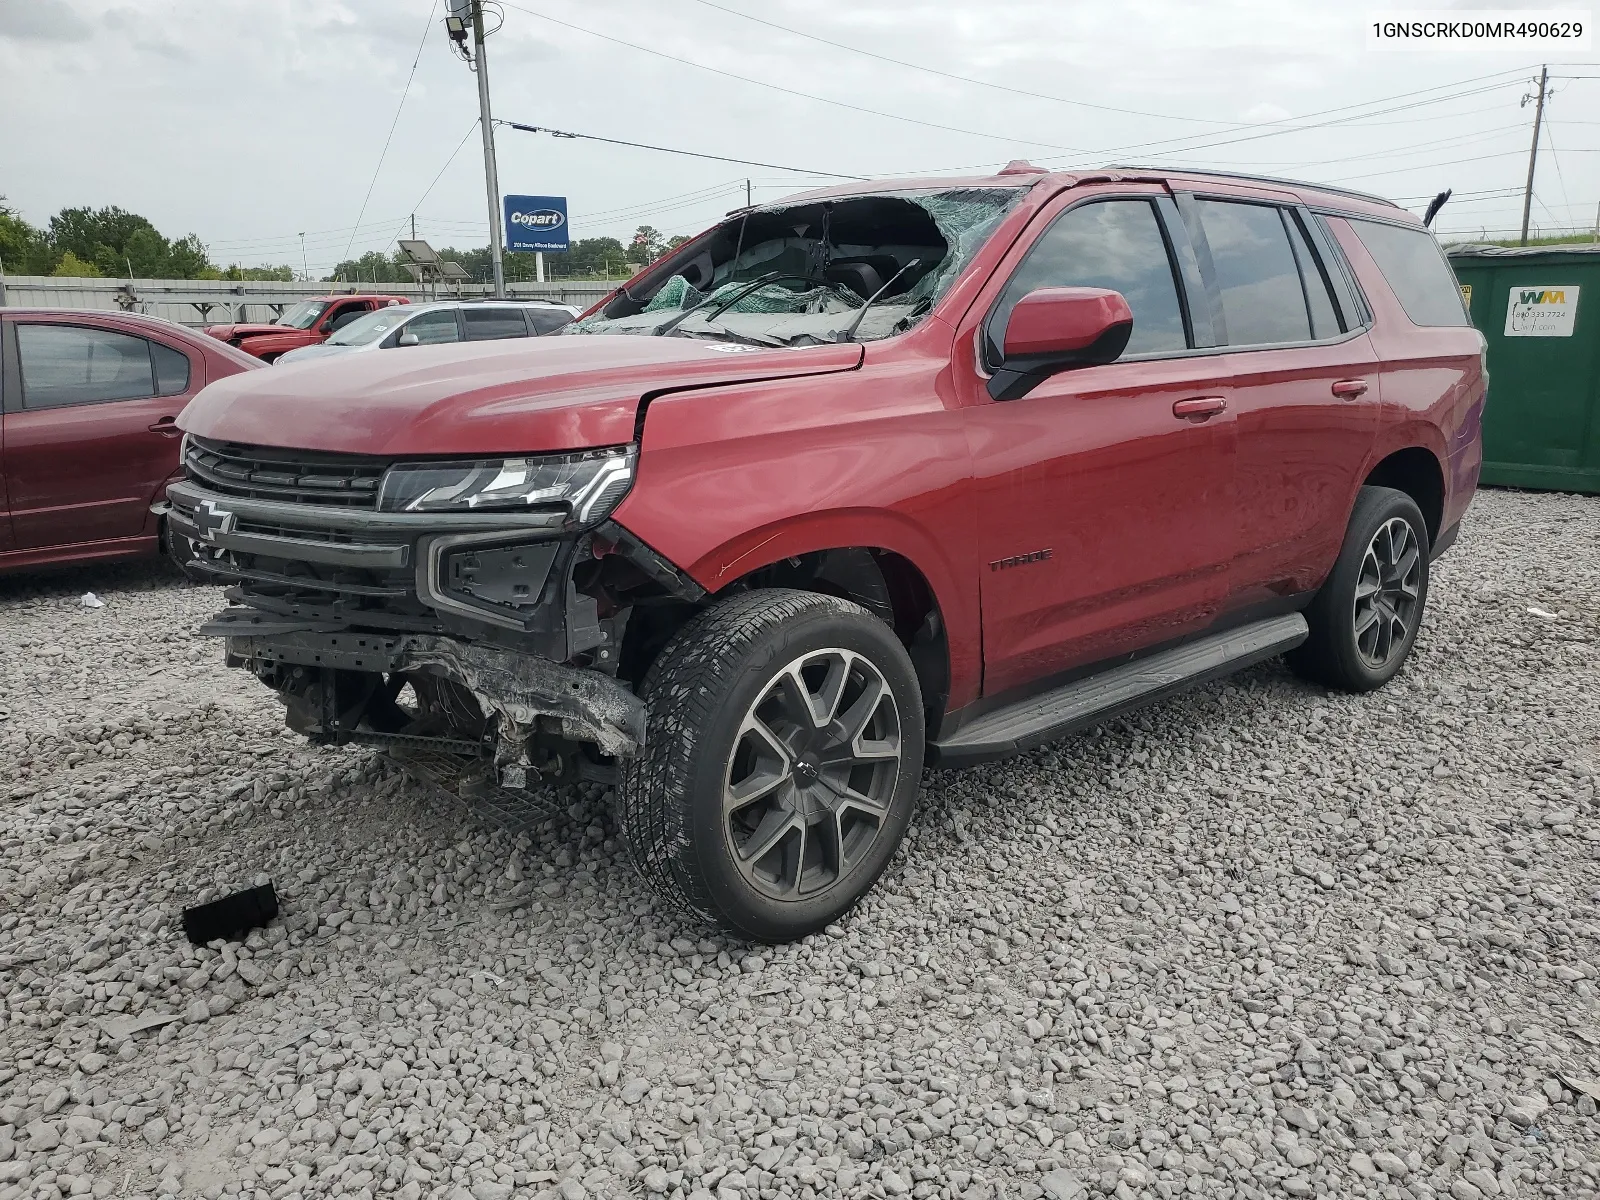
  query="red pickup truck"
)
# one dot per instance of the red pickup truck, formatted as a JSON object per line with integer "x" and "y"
{"x": 308, "y": 323}
{"x": 877, "y": 477}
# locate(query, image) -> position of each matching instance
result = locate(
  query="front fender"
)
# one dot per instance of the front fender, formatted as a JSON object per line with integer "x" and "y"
{"x": 738, "y": 478}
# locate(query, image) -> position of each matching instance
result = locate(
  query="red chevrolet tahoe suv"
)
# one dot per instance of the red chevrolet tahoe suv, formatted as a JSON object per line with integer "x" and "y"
{"x": 889, "y": 475}
{"x": 308, "y": 323}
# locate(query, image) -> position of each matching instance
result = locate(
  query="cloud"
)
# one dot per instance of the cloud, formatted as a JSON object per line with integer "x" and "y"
{"x": 42, "y": 21}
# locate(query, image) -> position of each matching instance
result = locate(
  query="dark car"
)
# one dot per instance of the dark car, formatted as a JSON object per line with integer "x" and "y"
{"x": 925, "y": 471}
{"x": 89, "y": 401}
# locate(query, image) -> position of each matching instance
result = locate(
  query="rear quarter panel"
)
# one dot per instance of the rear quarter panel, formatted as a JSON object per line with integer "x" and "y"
{"x": 1433, "y": 384}
{"x": 739, "y": 477}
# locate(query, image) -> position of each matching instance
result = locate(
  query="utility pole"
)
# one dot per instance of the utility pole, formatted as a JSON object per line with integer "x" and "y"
{"x": 1533, "y": 151}
{"x": 491, "y": 173}
{"x": 413, "y": 227}
{"x": 747, "y": 201}
{"x": 305, "y": 270}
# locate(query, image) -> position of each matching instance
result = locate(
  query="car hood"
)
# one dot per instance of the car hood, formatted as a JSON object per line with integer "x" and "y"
{"x": 246, "y": 329}
{"x": 318, "y": 350}
{"x": 568, "y": 392}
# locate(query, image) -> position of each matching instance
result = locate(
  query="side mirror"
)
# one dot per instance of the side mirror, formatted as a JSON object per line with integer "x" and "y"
{"x": 408, "y": 339}
{"x": 1053, "y": 329}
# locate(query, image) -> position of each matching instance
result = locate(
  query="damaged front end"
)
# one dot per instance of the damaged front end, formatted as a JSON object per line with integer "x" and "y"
{"x": 477, "y": 610}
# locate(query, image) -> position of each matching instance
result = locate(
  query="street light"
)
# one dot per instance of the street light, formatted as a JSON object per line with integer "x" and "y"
{"x": 305, "y": 270}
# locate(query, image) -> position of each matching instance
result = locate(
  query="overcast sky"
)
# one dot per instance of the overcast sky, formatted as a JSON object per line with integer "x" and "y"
{"x": 248, "y": 121}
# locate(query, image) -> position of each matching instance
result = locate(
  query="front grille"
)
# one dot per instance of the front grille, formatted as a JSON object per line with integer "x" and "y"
{"x": 294, "y": 476}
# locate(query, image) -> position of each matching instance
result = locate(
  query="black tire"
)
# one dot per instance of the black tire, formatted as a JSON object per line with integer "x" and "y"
{"x": 1335, "y": 654}
{"x": 702, "y": 696}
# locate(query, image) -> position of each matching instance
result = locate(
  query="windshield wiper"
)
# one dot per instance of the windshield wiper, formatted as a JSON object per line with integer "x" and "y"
{"x": 849, "y": 335}
{"x": 668, "y": 326}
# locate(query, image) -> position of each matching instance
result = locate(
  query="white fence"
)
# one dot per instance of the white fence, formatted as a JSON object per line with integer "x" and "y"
{"x": 217, "y": 301}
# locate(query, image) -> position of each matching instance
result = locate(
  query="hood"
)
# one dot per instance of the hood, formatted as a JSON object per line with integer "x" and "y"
{"x": 568, "y": 392}
{"x": 318, "y": 350}
{"x": 246, "y": 329}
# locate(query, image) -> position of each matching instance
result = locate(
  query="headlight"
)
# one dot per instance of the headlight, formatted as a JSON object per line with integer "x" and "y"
{"x": 588, "y": 484}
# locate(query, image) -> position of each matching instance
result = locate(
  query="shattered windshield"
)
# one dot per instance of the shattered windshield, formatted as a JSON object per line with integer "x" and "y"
{"x": 304, "y": 314}
{"x": 848, "y": 268}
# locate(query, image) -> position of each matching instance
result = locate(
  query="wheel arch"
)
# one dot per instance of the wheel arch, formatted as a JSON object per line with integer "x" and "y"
{"x": 1416, "y": 471}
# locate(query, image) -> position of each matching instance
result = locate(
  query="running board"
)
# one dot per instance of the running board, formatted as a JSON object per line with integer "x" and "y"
{"x": 1085, "y": 702}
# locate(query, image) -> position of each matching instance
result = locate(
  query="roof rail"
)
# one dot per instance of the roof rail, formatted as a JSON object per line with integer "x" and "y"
{"x": 1211, "y": 173}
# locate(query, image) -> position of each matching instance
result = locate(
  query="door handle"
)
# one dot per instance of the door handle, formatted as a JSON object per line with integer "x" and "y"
{"x": 1349, "y": 389}
{"x": 1199, "y": 408}
{"x": 166, "y": 426}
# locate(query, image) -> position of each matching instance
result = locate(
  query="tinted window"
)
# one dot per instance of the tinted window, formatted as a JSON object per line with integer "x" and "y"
{"x": 1113, "y": 244}
{"x": 346, "y": 315}
{"x": 546, "y": 320}
{"x": 1261, "y": 298}
{"x": 485, "y": 324}
{"x": 172, "y": 369}
{"x": 74, "y": 364}
{"x": 1421, "y": 279}
{"x": 1324, "y": 318}
{"x": 431, "y": 328}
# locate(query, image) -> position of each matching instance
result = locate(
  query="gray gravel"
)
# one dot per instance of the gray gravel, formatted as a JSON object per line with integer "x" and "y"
{"x": 1258, "y": 941}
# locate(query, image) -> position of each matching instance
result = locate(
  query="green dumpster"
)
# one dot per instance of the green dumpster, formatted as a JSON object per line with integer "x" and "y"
{"x": 1539, "y": 308}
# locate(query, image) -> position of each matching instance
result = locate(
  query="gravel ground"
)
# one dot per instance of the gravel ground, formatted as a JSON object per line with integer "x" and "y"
{"x": 1258, "y": 941}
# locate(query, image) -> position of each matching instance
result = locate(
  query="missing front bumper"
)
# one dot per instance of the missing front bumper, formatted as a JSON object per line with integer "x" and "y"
{"x": 519, "y": 688}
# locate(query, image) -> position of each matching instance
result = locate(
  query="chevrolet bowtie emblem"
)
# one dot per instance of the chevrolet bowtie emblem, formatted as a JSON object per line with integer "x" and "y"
{"x": 213, "y": 520}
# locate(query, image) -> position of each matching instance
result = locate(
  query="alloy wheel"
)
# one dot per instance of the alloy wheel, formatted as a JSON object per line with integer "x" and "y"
{"x": 812, "y": 774}
{"x": 1387, "y": 594}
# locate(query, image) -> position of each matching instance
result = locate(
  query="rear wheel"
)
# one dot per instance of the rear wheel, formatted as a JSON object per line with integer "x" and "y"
{"x": 1364, "y": 619}
{"x": 782, "y": 759}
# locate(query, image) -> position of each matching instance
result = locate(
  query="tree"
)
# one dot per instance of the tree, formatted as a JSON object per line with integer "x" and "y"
{"x": 73, "y": 267}
{"x": 237, "y": 273}
{"x": 121, "y": 243}
{"x": 647, "y": 245}
{"x": 22, "y": 248}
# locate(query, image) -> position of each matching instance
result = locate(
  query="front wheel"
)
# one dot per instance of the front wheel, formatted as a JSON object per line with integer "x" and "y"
{"x": 1364, "y": 619}
{"x": 783, "y": 753}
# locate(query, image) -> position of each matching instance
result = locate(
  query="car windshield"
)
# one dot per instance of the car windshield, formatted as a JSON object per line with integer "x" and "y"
{"x": 368, "y": 328}
{"x": 303, "y": 315}
{"x": 803, "y": 273}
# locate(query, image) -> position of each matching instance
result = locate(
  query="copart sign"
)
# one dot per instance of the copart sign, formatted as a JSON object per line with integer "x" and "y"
{"x": 536, "y": 223}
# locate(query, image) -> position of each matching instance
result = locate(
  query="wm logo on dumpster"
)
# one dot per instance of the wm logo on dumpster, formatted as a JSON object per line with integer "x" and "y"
{"x": 1544, "y": 296}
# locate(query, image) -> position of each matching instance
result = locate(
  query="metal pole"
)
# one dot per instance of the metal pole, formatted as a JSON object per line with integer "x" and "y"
{"x": 1533, "y": 151}
{"x": 491, "y": 174}
{"x": 305, "y": 270}
{"x": 747, "y": 201}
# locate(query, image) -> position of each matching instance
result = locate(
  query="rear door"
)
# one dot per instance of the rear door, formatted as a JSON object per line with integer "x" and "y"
{"x": 493, "y": 322}
{"x": 1305, "y": 388}
{"x": 89, "y": 428}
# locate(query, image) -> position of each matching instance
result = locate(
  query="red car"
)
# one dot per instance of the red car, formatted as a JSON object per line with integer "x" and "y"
{"x": 889, "y": 475}
{"x": 88, "y": 442}
{"x": 306, "y": 324}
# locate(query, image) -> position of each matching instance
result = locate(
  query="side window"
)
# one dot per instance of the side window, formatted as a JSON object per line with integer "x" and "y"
{"x": 547, "y": 320}
{"x": 77, "y": 364}
{"x": 1319, "y": 297}
{"x": 1421, "y": 279}
{"x": 488, "y": 324}
{"x": 433, "y": 328}
{"x": 345, "y": 315}
{"x": 172, "y": 369}
{"x": 1262, "y": 300}
{"x": 1113, "y": 244}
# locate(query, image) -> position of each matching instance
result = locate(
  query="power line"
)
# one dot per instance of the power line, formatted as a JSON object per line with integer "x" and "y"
{"x": 743, "y": 162}
{"x": 793, "y": 92}
{"x": 384, "y": 153}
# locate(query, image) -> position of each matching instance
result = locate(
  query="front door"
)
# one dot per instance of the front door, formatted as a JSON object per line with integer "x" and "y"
{"x": 1106, "y": 494}
{"x": 89, "y": 433}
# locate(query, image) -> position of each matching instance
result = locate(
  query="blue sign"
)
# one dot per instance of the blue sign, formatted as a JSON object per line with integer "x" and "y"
{"x": 536, "y": 223}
